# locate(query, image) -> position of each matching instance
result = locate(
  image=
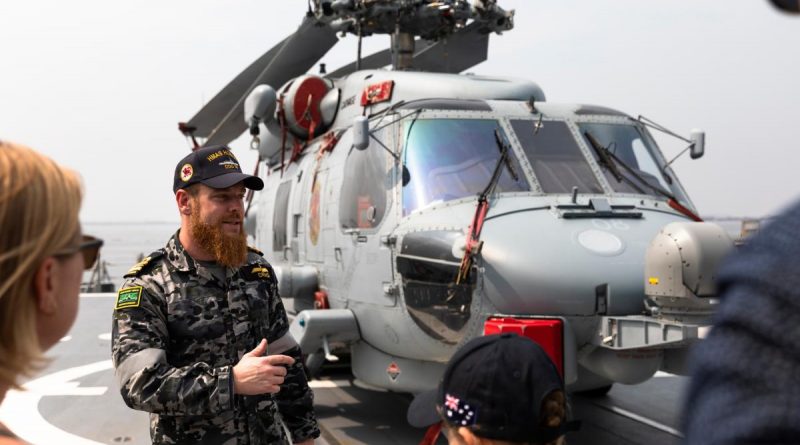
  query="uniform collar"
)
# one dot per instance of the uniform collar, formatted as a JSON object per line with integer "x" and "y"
{"x": 177, "y": 255}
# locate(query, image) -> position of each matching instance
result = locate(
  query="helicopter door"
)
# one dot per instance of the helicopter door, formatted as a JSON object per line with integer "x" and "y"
{"x": 365, "y": 218}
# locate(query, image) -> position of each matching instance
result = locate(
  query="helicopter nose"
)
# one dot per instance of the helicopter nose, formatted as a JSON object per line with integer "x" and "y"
{"x": 534, "y": 263}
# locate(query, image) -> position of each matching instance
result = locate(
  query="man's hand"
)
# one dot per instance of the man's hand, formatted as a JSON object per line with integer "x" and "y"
{"x": 259, "y": 374}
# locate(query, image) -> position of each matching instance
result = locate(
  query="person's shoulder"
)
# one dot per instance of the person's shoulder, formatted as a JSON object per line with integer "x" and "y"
{"x": 146, "y": 266}
{"x": 767, "y": 260}
{"x": 9, "y": 438}
{"x": 252, "y": 252}
{"x": 257, "y": 267}
{"x": 11, "y": 441}
{"x": 255, "y": 256}
{"x": 142, "y": 278}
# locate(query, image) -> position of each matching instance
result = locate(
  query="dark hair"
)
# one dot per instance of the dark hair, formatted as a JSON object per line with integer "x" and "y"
{"x": 553, "y": 413}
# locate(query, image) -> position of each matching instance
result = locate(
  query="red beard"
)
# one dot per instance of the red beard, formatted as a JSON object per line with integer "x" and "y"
{"x": 228, "y": 250}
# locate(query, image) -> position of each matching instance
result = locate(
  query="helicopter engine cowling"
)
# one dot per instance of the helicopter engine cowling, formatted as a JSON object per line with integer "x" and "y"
{"x": 299, "y": 105}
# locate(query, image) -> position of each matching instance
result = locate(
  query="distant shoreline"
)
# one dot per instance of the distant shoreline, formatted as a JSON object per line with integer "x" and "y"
{"x": 737, "y": 218}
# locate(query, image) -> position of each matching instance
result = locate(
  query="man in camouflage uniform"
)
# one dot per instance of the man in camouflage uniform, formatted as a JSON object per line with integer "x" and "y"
{"x": 200, "y": 336}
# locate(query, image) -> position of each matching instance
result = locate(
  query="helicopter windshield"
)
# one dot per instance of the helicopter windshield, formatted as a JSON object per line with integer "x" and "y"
{"x": 555, "y": 157}
{"x": 629, "y": 145}
{"x": 452, "y": 158}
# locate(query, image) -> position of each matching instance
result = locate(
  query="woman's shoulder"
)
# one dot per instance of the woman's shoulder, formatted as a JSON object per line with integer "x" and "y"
{"x": 9, "y": 438}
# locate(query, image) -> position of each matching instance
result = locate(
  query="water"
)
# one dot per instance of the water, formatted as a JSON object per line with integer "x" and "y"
{"x": 125, "y": 242}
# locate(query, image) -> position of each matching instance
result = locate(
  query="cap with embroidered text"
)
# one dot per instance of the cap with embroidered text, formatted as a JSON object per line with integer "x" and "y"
{"x": 214, "y": 166}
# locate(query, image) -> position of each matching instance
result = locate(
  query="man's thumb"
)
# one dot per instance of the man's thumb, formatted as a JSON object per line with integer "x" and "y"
{"x": 259, "y": 350}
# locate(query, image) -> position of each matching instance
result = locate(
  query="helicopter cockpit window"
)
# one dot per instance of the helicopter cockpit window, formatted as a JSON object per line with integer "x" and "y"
{"x": 279, "y": 240}
{"x": 452, "y": 158}
{"x": 555, "y": 157}
{"x": 627, "y": 143}
{"x": 367, "y": 177}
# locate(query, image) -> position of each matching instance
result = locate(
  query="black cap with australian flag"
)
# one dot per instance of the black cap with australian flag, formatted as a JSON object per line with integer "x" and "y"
{"x": 214, "y": 166}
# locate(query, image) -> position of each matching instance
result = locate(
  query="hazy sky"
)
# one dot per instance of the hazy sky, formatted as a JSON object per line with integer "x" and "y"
{"x": 101, "y": 85}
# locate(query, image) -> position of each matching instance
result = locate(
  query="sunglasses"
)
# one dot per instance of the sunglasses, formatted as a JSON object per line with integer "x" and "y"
{"x": 89, "y": 247}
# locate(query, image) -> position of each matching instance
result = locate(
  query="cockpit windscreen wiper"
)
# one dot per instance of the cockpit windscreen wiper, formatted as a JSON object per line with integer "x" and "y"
{"x": 611, "y": 161}
{"x": 605, "y": 157}
{"x": 498, "y": 167}
{"x": 503, "y": 147}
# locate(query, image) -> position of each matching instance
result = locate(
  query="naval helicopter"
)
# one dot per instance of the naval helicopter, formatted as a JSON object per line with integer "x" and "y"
{"x": 408, "y": 208}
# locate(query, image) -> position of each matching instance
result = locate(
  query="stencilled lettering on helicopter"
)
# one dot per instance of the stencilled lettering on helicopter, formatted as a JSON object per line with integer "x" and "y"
{"x": 347, "y": 102}
{"x": 606, "y": 225}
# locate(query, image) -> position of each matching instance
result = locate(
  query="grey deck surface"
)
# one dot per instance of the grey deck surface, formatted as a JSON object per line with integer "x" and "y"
{"x": 78, "y": 404}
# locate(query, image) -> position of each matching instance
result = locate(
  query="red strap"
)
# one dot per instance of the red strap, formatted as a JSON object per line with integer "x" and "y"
{"x": 282, "y": 122}
{"x": 250, "y": 193}
{"x": 679, "y": 207}
{"x": 473, "y": 240}
{"x": 432, "y": 434}
{"x": 311, "y": 128}
{"x": 296, "y": 150}
{"x": 307, "y": 115}
{"x": 328, "y": 142}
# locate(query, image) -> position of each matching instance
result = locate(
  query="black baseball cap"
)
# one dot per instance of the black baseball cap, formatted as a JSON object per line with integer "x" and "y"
{"x": 494, "y": 385}
{"x": 214, "y": 166}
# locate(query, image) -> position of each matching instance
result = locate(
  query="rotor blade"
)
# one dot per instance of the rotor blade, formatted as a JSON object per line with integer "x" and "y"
{"x": 462, "y": 50}
{"x": 222, "y": 119}
{"x": 375, "y": 60}
{"x": 212, "y": 112}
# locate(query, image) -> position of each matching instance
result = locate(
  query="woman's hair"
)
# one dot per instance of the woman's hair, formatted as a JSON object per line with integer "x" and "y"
{"x": 39, "y": 205}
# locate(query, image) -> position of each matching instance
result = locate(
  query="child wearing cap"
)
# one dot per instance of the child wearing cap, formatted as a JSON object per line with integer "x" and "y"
{"x": 496, "y": 389}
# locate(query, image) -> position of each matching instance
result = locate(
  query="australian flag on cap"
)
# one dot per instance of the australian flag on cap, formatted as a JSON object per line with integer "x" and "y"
{"x": 459, "y": 412}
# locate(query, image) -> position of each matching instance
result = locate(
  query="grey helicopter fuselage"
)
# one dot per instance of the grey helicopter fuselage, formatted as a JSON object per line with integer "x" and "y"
{"x": 380, "y": 232}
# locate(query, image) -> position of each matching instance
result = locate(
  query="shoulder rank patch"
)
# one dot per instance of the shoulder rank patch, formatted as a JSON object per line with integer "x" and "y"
{"x": 141, "y": 265}
{"x": 254, "y": 250}
{"x": 129, "y": 297}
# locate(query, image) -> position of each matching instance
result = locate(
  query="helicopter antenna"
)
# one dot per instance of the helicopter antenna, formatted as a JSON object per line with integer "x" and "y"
{"x": 358, "y": 53}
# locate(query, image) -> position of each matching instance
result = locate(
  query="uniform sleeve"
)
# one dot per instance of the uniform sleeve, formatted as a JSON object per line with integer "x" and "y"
{"x": 295, "y": 399}
{"x": 146, "y": 380}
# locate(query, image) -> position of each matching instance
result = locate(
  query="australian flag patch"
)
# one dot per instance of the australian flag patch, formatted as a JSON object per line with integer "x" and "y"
{"x": 459, "y": 412}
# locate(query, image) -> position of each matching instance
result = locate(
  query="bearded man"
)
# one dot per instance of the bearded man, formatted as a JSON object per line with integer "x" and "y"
{"x": 200, "y": 337}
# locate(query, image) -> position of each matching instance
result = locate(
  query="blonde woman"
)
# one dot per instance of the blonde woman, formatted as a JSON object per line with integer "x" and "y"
{"x": 42, "y": 258}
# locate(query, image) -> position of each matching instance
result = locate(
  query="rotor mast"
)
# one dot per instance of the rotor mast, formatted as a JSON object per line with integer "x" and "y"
{"x": 402, "y": 51}
{"x": 405, "y": 20}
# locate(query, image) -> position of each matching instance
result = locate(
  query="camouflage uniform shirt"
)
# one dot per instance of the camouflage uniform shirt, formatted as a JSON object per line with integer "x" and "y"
{"x": 177, "y": 333}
